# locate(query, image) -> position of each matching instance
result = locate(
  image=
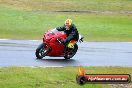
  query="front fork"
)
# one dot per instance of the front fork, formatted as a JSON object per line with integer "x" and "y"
{"x": 46, "y": 49}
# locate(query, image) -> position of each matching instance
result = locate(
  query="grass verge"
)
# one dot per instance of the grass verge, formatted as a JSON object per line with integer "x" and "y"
{"x": 19, "y": 20}
{"x": 27, "y": 77}
{"x": 70, "y": 5}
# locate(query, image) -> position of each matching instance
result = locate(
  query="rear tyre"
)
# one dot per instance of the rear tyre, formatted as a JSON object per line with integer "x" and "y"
{"x": 71, "y": 52}
{"x": 41, "y": 51}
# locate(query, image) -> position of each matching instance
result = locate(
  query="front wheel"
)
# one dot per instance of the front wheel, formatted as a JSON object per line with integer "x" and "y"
{"x": 70, "y": 52}
{"x": 41, "y": 51}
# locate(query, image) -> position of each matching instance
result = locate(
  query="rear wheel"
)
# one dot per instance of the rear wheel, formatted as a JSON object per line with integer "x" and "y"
{"x": 41, "y": 51}
{"x": 70, "y": 52}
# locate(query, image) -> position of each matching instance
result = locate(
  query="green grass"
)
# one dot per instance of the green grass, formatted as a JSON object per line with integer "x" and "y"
{"x": 26, "y": 77}
{"x": 61, "y": 5}
{"x": 19, "y": 20}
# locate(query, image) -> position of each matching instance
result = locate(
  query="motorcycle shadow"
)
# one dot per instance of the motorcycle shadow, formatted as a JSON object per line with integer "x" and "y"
{"x": 70, "y": 61}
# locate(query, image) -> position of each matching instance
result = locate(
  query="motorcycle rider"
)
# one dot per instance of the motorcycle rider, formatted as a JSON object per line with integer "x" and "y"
{"x": 71, "y": 31}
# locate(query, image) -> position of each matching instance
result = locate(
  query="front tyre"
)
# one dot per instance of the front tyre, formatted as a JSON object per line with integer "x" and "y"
{"x": 41, "y": 51}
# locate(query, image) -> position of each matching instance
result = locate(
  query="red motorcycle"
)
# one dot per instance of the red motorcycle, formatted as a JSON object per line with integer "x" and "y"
{"x": 52, "y": 47}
